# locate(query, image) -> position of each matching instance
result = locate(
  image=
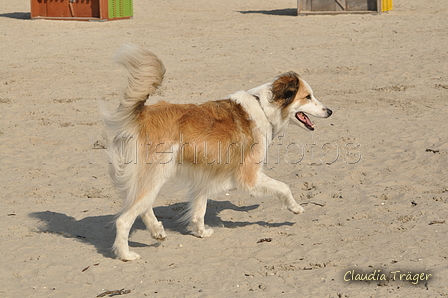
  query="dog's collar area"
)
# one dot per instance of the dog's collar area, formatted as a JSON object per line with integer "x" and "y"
{"x": 270, "y": 123}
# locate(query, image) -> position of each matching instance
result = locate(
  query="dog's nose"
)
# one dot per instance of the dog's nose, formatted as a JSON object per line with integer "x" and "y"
{"x": 329, "y": 112}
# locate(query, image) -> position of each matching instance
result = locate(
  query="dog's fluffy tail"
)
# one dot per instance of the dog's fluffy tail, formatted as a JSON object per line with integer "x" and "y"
{"x": 145, "y": 75}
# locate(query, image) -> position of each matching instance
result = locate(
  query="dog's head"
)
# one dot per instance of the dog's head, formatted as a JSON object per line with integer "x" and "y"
{"x": 290, "y": 99}
{"x": 296, "y": 99}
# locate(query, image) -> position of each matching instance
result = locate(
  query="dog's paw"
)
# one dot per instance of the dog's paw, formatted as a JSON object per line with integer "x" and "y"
{"x": 203, "y": 233}
{"x": 296, "y": 209}
{"x": 159, "y": 233}
{"x": 130, "y": 256}
{"x": 160, "y": 236}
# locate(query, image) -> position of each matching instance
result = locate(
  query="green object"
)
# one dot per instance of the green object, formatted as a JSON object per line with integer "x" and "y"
{"x": 120, "y": 8}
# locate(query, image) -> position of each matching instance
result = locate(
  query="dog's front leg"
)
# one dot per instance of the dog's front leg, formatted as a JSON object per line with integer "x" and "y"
{"x": 268, "y": 186}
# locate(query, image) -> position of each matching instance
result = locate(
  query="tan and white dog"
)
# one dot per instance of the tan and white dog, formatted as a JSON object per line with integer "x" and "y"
{"x": 213, "y": 146}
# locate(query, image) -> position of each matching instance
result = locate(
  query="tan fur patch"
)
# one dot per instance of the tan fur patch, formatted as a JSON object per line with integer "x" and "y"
{"x": 215, "y": 137}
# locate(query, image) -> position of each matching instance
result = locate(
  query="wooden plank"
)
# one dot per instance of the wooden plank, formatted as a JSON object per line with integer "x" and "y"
{"x": 86, "y": 8}
{"x": 362, "y": 5}
{"x": 305, "y": 7}
{"x": 104, "y": 9}
{"x": 323, "y": 5}
{"x": 304, "y": 13}
{"x": 68, "y": 19}
{"x": 80, "y": 19}
{"x": 357, "y": 4}
{"x": 309, "y": 4}
{"x": 342, "y": 4}
{"x": 38, "y": 9}
{"x": 59, "y": 8}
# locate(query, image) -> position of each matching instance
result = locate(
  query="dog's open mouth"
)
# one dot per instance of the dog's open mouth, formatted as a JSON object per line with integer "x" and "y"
{"x": 305, "y": 120}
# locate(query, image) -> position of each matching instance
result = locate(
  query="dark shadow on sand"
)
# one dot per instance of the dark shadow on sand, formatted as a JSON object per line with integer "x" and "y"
{"x": 275, "y": 12}
{"x": 99, "y": 231}
{"x": 16, "y": 15}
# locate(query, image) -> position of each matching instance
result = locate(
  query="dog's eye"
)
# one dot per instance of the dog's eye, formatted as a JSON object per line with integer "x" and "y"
{"x": 308, "y": 97}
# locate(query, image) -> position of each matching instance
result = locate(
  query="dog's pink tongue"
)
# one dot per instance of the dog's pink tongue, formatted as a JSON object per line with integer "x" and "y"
{"x": 302, "y": 117}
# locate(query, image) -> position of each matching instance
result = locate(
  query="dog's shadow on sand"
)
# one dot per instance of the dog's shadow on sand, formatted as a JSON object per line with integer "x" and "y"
{"x": 99, "y": 231}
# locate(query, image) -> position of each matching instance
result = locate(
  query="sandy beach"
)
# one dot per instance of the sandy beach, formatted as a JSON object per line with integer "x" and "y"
{"x": 372, "y": 178}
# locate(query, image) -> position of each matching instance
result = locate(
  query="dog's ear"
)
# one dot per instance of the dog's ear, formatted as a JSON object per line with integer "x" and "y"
{"x": 285, "y": 88}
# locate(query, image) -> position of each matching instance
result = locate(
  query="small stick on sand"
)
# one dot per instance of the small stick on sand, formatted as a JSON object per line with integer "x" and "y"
{"x": 116, "y": 292}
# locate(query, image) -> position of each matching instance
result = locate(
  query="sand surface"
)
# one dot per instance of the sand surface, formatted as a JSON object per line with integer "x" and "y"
{"x": 372, "y": 178}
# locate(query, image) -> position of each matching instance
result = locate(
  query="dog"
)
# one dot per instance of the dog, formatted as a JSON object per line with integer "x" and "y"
{"x": 211, "y": 147}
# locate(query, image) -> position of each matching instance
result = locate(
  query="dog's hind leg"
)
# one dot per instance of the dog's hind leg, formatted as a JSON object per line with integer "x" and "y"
{"x": 268, "y": 186}
{"x": 154, "y": 226}
{"x": 123, "y": 225}
{"x": 197, "y": 209}
{"x": 142, "y": 206}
